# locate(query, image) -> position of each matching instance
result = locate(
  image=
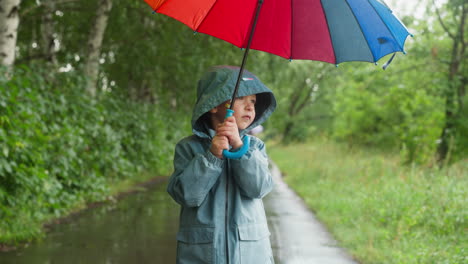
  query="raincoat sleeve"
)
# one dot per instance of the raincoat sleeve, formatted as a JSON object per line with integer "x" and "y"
{"x": 251, "y": 172}
{"x": 194, "y": 175}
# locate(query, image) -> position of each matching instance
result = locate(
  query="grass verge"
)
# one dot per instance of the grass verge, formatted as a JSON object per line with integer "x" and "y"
{"x": 379, "y": 210}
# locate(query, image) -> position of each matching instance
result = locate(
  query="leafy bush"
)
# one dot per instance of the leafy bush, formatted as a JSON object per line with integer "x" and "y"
{"x": 60, "y": 148}
{"x": 391, "y": 114}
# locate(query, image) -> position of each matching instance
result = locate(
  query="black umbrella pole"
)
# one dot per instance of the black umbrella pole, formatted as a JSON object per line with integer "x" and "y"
{"x": 246, "y": 53}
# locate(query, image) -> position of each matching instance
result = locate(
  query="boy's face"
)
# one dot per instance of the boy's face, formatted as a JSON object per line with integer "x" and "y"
{"x": 244, "y": 111}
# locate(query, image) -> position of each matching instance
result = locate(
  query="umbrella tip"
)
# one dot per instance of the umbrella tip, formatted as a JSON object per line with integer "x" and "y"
{"x": 195, "y": 32}
{"x": 154, "y": 12}
{"x": 336, "y": 65}
{"x": 290, "y": 59}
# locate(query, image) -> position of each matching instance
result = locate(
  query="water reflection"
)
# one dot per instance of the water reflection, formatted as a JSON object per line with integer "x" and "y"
{"x": 140, "y": 228}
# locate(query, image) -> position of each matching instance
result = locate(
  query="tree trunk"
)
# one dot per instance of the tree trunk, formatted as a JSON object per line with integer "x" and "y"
{"x": 457, "y": 82}
{"x": 96, "y": 36}
{"x": 47, "y": 31}
{"x": 9, "y": 21}
{"x": 287, "y": 131}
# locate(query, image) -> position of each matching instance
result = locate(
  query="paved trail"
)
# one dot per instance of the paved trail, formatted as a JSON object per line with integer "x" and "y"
{"x": 297, "y": 236}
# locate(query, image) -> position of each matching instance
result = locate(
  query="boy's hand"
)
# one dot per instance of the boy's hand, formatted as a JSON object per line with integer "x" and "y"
{"x": 230, "y": 130}
{"x": 218, "y": 144}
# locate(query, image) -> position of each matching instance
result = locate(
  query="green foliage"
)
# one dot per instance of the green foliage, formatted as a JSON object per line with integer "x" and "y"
{"x": 60, "y": 148}
{"x": 301, "y": 89}
{"x": 380, "y": 211}
{"x": 383, "y": 111}
{"x": 460, "y": 141}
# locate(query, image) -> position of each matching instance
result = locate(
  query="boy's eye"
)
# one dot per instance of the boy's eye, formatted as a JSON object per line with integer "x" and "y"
{"x": 253, "y": 101}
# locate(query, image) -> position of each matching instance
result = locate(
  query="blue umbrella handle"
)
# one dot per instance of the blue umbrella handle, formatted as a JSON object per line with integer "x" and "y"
{"x": 239, "y": 153}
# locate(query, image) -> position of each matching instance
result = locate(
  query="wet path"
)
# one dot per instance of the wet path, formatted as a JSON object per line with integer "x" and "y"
{"x": 296, "y": 235}
{"x": 141, "y": 228}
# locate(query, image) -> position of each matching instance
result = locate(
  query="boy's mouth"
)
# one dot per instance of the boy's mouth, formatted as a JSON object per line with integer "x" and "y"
{"x": 247, "y": 117}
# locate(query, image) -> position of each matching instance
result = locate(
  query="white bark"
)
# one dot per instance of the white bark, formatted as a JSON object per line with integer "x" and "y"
{"x": 9, "y": 21}
{"x": 94, "y": 44}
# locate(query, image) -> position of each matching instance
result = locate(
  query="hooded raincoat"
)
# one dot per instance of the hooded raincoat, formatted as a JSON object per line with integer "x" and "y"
{"x": 222, "y": 219}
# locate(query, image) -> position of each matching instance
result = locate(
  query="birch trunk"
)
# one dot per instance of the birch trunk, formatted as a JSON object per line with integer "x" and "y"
{"x": 9, "y": 21}
{"x": 47, "y": 28}
{"x": 94, "y": 44}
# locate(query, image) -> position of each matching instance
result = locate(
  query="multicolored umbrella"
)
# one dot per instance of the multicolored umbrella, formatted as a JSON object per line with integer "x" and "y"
{"x": 332, "y": 31}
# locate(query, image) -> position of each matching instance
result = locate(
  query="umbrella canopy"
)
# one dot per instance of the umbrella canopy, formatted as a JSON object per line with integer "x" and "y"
{"x": 332, "y": 31}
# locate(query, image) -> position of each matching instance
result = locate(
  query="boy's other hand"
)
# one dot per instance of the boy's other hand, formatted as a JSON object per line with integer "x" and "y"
{"x": 218, "y": 144}
{"x": 230, "y": 130}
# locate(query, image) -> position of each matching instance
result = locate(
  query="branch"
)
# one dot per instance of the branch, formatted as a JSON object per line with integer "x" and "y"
{"x": 305, "y": 100}
{"x": 320, "y": 117}
{"x": 412, "y": 67}
{"x": 462, "y": 25}
{"x": 29, "y": 58}
{"x": 57, "y": 2}
{"x": 442, "y": 23}
{"x": 294, "y": 99}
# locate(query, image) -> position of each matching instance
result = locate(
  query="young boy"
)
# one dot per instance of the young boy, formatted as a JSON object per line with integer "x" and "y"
{"x": 222, "y": 219}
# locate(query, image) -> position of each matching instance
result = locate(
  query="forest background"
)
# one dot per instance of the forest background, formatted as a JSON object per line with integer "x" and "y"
{"x": 94, "y": 95}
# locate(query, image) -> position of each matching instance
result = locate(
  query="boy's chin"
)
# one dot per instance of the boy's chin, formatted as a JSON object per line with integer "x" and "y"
{"x": 242, "y": 126}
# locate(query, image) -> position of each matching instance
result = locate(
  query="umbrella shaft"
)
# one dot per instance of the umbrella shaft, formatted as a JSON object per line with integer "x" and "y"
{"x": 244, "y": 59}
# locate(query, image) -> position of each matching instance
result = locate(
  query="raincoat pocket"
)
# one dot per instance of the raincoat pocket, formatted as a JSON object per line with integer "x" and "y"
{"x": 195, "y": 245}
{"x": 254, "y": 244}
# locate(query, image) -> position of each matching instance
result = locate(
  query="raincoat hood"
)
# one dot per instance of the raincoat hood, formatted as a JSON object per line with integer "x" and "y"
{"x": 217, "y": 86}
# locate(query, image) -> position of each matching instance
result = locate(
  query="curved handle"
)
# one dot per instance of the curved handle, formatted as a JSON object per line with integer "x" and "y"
{"x": 246, "y": 143}
{"x": 239, "y": 153}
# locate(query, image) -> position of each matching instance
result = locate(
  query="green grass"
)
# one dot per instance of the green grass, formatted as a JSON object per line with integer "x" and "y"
{"x": 379, "y": 210}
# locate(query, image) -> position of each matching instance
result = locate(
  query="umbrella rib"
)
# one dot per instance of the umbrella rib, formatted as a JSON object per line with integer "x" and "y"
{"x": 292, "y": 33}
{"x": 329, "y": 32}
{"x": 157, "y": 8}
{"x": 393, "y": 35}
{"x": 360, "y": 27}
{"x": 207, "y": 14}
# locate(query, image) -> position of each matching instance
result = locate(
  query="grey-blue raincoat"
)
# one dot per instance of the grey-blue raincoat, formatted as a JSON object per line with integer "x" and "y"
{"x": 222, "y": 219}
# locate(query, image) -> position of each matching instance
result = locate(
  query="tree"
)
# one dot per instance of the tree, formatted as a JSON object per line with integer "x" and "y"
{"x": 9, "y": 21}
{"x": 453, "y": 23}
{"x": 95, "y": 39}
{"x": 303, "y": 93}
{"x": 47, "y": 34}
